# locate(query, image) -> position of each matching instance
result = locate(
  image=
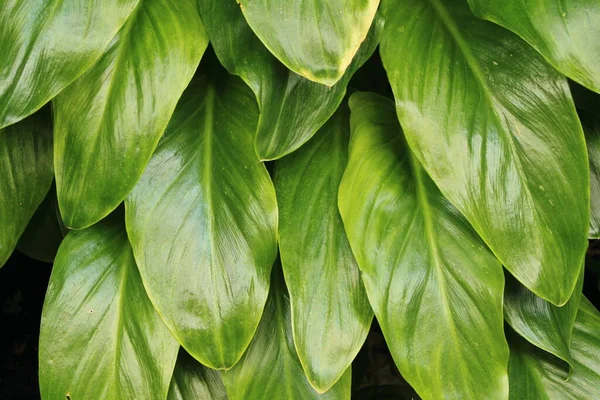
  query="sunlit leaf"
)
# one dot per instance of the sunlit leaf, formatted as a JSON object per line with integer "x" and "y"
{"x": 435, "y": 288}
{"x": 202, "y": 221}
{"x": 46, "y": 44}
{"x": 109, "y": 121}
{"x": 331, "y": 314}
{"x": 286, "y": 121}
{"x": 100, "y": 336}
{"x": 494, "y": 126}
{"x": 192, "y": 380}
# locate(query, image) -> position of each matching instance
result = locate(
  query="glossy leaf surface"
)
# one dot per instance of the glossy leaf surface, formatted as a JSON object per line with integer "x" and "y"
{"x": 26, "y": 175}
{"x": 202, "y": 221}
{"x": 435, "y": 288}
{"x": 535, "y": 374}
{"x": 487, "y": 117}
{"x": 563, "y": 32}
{"x": 109, "y": 121}
{"x": 270, "y": 369}
{"x": 591, "y": 126}
{"x": 100, "y": 336}
{"x": 46, "y": 44}
{"x": 192, "y": 380}
{"x": 330, "y": 310}
{"x": 285, "y": 122}
{"x": 316, "y": 39}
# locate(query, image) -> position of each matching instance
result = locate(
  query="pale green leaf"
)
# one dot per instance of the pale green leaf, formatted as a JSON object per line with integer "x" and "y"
{"x": 192, "y": 380}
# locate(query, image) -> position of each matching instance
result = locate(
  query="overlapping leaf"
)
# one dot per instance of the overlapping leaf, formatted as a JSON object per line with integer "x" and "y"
{"x": 286, "y": 121}
{"x": 495, "y": 127}
{"x": 270, "y": 369}
{"x": 564, "y": 32}
{"x": 435, "y": 288}
{"x": 109, "y": 121}
{"x": 46, "y": 44}
{"x": 192, "y": 380}
{"x": 591, "y": 125}
{"x": 26, "y": 175}
{"x": 100, "y": 336}
{"x": 331, "y": 314}
{"x": 202, "y": 221}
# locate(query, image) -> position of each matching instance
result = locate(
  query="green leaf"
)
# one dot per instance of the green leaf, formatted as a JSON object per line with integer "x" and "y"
{"x": 535, "y": 374}
{"x": 317, "y": 39}
{"x": 564, "y": 32}
{"x": 435, "y": 288}
{"x": 542, "y": 323}
{"x": 26, "y": 176}
{"x": 591, "y": 127}
{"x": 203, "y": 220}
{"x": 270, "y": 368}
{"x": 285, "y": 122}
{"x": 109, "y": 121}
{"x": 47, "y": 44}
{"x": 45, "y": 231}
{"x": 331, "y": 314}
{"x": 192, "y": 380}
{"x": 100, "y": 336}
{"x": 487, "y": 116}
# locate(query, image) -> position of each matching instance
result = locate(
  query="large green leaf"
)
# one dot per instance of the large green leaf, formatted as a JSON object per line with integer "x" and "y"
{"x": 286, "y": 122}
{"x": 565, "y": 32}
{"x": 270, "y": 368}
{"x": 435, "y": 288}
{"x": 203, "y": 219}
{"x": 316, "y": 39}
{"x": 26, "y": 175}
{"x": 331, "y": 314}
{"x": 100, "y": 336}
{"x": 109, "y": 121}
{"x": 47, "y": 44}
{"x": 540, "y": 322}
{"x": 591, "y": 125}
{"x": 192, "y": 380}
{"x": 535, "y": 374}
{"x": 495, "y": 127}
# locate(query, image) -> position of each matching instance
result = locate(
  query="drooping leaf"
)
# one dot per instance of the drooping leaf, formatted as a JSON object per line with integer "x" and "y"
{"x": 109, "y": 121}
{"x": 26, "y": 175}
{"x": 564, "y": 32}
{"x": 540, "y": 322}
{"x": 203, "y": 219}
{"x": 45, "y": 231}
{"x": 47, "y": 44}
{"x": 435, "y": 288}
{"x": 192, "y": 380}
{"x": 591, "y": 127}
{"x": 330, "y": 310}
{"x": 270, "y": 368}
{"x": 535, "y": 374}
{"x": 317, "y": 39}
{"x": 495, "y": 127}
{"x": 286, "y": 121}
{"x": 100, "y": 336}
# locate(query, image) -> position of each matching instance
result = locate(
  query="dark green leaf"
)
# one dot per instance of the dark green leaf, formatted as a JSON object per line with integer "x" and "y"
{"x": 192, "y": 380}
{"x": 331, "y": 314}
{"x": 495, "y": 127}
{"x": 435, "y": 288}
{"x": 109, "y": 121}
{"x": 100, "y": 336}
{"x": 591, "y": 126}
{"x": 286, "y": 121}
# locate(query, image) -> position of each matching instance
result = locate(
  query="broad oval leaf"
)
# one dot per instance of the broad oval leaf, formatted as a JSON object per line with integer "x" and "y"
{"x": 564, "y": 32}
{"x": 435, "y": 288}
{"x": 100, "y": 336}
{"x": 495, "y": 127}
{"x": 26, "y": 175}
{"x": 591, "y": 126}
{"x": 331, "y": 315}
{"x": 316, "y": 39}
{"x": 109, "y": 121}
{"x": 270, "y": 368}
{"x": 203, "y": 219}
{"x": 47, "y": 44}
{"x": 285, "y": 122}
{"x": 535, "y": 374}
{"x": 192, "y": 380}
